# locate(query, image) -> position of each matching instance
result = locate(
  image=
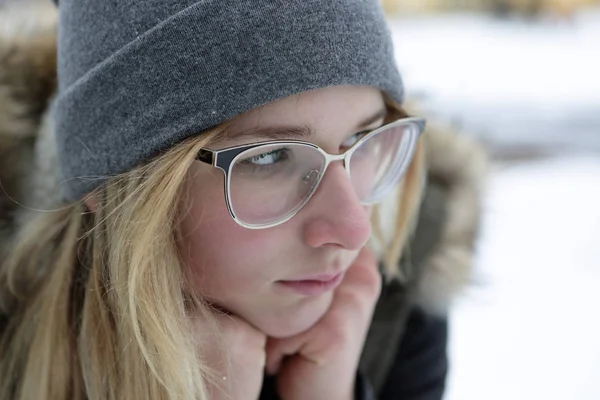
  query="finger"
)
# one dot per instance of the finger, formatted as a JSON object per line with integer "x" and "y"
{"x": 278, "y": 349}
{"x": 363, "y": 275}
{"x": 218, "y": 335}
{"x": 366, "y": 256}
{"x": 273, "y": 363}
{"x": 366, "y": 259}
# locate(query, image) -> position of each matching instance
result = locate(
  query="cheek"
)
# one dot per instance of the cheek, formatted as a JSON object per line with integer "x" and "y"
{"x": 224, "y": 259}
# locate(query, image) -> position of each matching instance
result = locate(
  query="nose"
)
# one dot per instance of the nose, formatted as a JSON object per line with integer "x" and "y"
{"x": 334, "y": 215}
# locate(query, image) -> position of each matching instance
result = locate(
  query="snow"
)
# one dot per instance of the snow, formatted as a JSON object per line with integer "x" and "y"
{"x": 529, "y": 326}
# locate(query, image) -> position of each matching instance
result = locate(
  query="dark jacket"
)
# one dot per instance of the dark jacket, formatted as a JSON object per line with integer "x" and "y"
{"x": 405, "y": 353}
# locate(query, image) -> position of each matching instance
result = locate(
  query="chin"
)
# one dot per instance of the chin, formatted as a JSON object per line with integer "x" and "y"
{"x": 292, "y": 321}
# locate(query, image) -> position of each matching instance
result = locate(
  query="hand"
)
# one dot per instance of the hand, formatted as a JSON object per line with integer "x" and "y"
{"x": 322, "y": 361}
{"x": 235, "y": 351}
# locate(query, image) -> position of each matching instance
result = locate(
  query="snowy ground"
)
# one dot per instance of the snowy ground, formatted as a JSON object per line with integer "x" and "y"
{"x": 530, "y": 328}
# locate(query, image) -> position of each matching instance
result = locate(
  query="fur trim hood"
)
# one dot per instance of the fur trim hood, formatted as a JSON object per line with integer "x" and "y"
{"x": 28, "y": 167}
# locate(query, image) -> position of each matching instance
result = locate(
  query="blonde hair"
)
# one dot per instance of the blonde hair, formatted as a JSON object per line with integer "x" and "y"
{"x": 95, "y": 303}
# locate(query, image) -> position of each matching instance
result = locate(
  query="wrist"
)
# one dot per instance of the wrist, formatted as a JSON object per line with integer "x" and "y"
{"x": 349, "y": 394}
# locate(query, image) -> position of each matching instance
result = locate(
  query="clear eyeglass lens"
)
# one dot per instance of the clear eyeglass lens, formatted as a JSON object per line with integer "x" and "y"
{"x": 271, "y": 182}
{"x": 379, "y": 163}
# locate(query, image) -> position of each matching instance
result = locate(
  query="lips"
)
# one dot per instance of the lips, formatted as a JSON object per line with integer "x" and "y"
{"x": 313, "y": 285}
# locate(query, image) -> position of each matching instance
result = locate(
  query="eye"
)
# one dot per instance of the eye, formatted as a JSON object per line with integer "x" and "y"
{"x": 267, "y": 158}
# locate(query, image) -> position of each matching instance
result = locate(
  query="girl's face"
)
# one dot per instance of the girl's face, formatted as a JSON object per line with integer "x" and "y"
{"x": 267, "y": 277}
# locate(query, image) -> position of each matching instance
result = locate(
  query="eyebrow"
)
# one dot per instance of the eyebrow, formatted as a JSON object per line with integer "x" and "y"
{"x": 276, "y": 132}
{"x": 300, "y": 132}
{"x": 379, "y": 115}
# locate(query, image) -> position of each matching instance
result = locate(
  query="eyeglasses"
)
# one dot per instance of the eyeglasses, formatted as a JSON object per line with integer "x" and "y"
{"x": 268, "y": 183}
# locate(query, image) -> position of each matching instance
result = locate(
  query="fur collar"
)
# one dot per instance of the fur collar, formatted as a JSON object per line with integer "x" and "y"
{"x": 460, "y": 166}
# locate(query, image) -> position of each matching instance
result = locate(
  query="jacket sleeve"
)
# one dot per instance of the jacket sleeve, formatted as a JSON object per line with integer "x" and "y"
{"x": 363, "y": 389}
{"x": 421, "y": 363}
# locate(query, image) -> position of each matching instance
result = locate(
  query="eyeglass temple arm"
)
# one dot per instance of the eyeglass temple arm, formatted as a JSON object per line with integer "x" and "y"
{"x": 421, "y": 123}
{"x": 206, "y": 156}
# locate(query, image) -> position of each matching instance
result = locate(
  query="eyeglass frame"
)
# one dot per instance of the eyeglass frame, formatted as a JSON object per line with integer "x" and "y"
{"x": 224, "y": 159}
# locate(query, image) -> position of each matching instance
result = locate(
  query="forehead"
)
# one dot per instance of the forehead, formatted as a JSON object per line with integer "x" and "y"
{"x": 339, "y": 107}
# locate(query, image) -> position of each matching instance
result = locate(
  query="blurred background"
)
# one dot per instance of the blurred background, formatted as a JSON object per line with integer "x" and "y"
{"x": 521, "y": 77}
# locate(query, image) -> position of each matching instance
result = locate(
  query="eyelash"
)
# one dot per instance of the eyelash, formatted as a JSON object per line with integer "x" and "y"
{"x": 282, "y": 153}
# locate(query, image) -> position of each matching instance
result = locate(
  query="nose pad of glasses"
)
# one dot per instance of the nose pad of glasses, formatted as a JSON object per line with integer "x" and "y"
{"x": 308, "y": 182}
{"x": 310, "y": 177}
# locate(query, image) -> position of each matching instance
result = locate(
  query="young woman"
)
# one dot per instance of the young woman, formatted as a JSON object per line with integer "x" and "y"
{"x": 217, "y": 234}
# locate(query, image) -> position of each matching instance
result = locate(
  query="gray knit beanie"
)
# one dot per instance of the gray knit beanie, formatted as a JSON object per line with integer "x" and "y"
{"x": 138, "y": 76}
